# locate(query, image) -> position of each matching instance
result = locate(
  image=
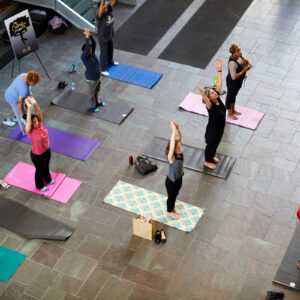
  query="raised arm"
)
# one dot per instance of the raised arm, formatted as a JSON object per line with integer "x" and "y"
{"x": 172, "y": 143}
{"x": 178, "y": 132}
{"x": 86, "y": 33}
{"x": 219, "y": 76}
{"x": 93, "y": 43}
{"x": 204, "y": 98}
{"x": 36, "y": 108}
{"x": 28, "y": 124}
{"x": 113, "y": 3}
{"x": 100, "y": 11}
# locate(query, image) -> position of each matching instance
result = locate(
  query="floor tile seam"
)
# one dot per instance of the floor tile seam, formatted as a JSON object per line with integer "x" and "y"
{"x": 171, "y": 33}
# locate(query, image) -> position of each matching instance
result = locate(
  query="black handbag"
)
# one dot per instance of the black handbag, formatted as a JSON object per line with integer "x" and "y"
{"x": 145, "y": 165}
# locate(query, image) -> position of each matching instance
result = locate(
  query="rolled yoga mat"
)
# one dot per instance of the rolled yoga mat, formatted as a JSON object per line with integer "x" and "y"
{"x": 199, "y": 40}
{"x": 9, "y": 262}
{"x": 152, "y": 205}
{"x": 22, "y": 176}
{"x": 31, "y": 224}
{"x": 141, "y": 32}
{"x": 288, "y": 274}
{"x": 249, "y": 118}
{"x": 63, "y": 142}
{"x": 193, "y": 158}
{"x": 78, "y": 102}
{"x": 134, "y": 75}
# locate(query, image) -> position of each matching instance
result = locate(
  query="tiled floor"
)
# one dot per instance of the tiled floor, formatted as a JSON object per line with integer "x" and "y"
{"x": 235, "y": 249}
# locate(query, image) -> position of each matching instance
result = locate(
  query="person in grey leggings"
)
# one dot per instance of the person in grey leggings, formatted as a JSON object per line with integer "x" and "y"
{"x": 16, "y": 93}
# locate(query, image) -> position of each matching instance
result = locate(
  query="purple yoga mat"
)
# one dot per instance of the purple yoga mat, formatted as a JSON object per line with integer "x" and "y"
{"x": 63, "y": 142}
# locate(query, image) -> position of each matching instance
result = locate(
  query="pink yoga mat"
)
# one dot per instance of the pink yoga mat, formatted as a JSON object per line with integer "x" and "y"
{"x": 249, "y": 118}
{"x": 22, "y": 176}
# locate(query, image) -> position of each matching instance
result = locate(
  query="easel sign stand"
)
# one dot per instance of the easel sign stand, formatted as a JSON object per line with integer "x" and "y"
{"x": 22, "y": 37}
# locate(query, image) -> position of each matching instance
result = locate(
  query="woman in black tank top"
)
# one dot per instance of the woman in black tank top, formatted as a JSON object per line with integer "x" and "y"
{"x": 237, "y": 68}
{"x": 174, "y": 179}
{"x": 216, "y": 119}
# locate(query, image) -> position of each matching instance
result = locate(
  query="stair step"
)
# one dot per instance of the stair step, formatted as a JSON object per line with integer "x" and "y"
{"x": 71, "y": 3}
{"x": 82, "y": 7}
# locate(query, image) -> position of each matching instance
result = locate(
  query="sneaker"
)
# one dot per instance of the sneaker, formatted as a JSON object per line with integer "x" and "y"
{"x": 14, "y": 119}
{"x": 94, "y": 109}
{"x": 8, "y": 122}
{"x": 4, "y": 185}
{"x": 100, "y": 103}
{"x": 105, "y": 73}
{"x": 52, "y": 181}
{"x": 44, "y": 189}
{"x": 115, "y": 63}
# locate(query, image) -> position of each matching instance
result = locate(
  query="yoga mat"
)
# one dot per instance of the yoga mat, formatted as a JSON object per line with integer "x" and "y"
{"x": 63, "y": 142}
{"x": 249, "y": 118}
{"x": 9, "y": 262}
{"x": 75, "y": 101}
{"x": 22, "y": 176}
{"x": 152, "y": 205}
{"x": 141, "y": 32}
{"x": 288, "y": 275}
{"x": 31, "y": 224}
{"x": 193, "y": 158}
{"x": 199, "y": 40}
{"x": 134, "y": 75}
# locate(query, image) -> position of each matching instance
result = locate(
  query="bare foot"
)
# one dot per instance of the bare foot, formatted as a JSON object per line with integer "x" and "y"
{"x": 237, "y": 112}
{"x": 177, "y": 212}
{"x": 210, "y": 165}
{"x": 216, "y": 160}
{"x": 231, "y": 116}
{"x": 173, "y": 215}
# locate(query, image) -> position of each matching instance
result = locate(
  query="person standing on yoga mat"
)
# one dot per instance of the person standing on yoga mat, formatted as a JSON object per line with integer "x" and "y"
{"x": 16, "y": 93}
{"x": 92, "y": 72}
{"x": 216, "y": 119}
{"x": 41, "y": 153}
{"x": 106, "y": 34}
{"x": 174, "y": 179}
{"x": 237, "y": 68}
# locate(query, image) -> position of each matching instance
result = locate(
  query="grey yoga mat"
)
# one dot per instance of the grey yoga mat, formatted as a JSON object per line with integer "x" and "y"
{"x": 193, "y": 158}
{"x": 287, "y": 274}
{"x": 75, "y": 101}
{"x": 31, "y": 224}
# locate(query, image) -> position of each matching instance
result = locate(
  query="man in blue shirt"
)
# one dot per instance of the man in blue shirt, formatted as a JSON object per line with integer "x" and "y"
{"x": 92, "y": 72}
{"x": 16, "y": 93}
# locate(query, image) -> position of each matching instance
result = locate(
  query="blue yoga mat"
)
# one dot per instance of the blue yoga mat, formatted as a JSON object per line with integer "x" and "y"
{"x": 134, "y": 75}
{"x": 63, "y": 142}
{"x": 9, "y": 262}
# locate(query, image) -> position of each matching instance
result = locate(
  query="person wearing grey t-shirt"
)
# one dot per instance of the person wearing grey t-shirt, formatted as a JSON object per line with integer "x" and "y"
{"x": 237, "y": 68}
{"x": 174, "y": 179}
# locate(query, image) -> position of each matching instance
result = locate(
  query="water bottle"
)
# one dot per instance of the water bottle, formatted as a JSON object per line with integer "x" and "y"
{"x": 73, "y": 85}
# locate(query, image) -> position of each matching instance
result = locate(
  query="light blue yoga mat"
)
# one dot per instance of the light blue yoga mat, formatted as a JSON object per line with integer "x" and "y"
{"x": 134, "y": 75}
{"x": 9, "y": 262}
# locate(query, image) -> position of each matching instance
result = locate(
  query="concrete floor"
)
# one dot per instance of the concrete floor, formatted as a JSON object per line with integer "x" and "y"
{"x": 238, "y": 244}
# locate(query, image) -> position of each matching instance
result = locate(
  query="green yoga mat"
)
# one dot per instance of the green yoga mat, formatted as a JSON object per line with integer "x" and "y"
{"x": 9, "y": 262}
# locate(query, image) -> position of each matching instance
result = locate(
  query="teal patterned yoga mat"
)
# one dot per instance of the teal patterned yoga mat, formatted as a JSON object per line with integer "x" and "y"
{"x": 153, "y": 205}
{"x": 9, "y": 262}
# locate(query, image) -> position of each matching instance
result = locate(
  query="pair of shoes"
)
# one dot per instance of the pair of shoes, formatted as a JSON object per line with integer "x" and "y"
{"x": 101, "y": 103}
{"x": 4, "y": 185}
{"x": 73, "y": 68}
{"x": 275, "y": 295}
{"x": 94, "y": 109}
{"x": 14, "y": 119}
{"x": 44, "y": 189}
{"x": 105, "y": 73}
{"x": 160, "y": 236}
{"x": 62, "y": 84}
{"x": 8, "y": 122}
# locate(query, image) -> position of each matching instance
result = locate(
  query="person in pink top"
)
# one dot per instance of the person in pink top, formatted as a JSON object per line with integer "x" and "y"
{"x": 40, "y": 153}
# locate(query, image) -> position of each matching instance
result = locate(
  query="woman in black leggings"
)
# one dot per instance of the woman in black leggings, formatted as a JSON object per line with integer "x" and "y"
{"x": 174, "y": 179}
{"x": 216, "y": 119}
{"x": 237, "y": 68}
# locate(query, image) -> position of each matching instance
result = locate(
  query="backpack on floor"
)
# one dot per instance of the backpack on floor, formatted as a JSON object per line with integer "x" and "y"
{"x": 145, "y": 165}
